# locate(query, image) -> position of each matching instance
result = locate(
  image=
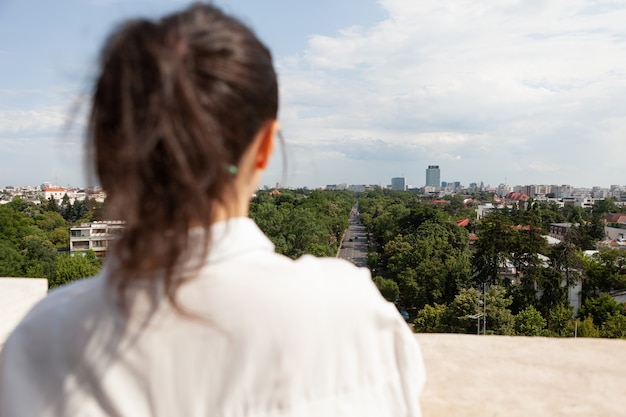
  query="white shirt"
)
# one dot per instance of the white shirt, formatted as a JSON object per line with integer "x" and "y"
{"x": 271, "y": 337}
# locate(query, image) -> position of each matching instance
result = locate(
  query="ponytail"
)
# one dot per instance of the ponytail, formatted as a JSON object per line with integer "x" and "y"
{"x": 177, "y": 102}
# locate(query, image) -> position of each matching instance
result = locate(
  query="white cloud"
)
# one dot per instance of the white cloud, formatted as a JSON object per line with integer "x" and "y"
{"x": 543, "y": 166}
{"x": 445, "y": 77}
{"x": 31, "y": 122}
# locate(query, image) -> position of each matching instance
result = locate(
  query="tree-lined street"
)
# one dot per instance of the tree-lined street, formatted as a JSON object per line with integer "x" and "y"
{"x": 354, "y": 245}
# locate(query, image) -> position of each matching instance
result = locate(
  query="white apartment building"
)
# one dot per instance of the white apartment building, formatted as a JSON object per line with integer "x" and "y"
{"x": 54, "y": 192}
{"x": 95, "y": 236}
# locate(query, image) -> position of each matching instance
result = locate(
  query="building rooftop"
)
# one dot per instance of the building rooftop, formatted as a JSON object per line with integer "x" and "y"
{"x": 476, "y": 376}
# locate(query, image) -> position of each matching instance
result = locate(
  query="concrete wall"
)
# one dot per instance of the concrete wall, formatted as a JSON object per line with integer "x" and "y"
{"x": 470, "y": 375}
{"x": 17, "y": 296}
{"x": 614, "y": 233}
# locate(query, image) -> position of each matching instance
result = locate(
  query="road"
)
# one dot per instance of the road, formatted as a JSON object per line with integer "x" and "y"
{"x": 354, "y": 245}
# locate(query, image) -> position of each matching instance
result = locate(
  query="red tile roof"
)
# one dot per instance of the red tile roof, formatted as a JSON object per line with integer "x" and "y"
{"x": 462, "y": 223}
{"x": 615, "y": 218}
{"x": 514, "y": 195}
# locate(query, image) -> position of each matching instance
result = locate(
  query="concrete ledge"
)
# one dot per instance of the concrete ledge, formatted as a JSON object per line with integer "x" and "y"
{"x": 469, "y": 375}
{"x": 17, "y": 297}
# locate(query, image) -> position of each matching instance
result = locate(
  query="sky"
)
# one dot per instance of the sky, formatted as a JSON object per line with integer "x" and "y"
{"x": 499, "y": 91}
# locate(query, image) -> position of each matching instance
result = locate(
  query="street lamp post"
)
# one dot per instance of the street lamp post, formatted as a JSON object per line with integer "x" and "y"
{"x": 476, "y": 317}
{"x": 483, "y": 302}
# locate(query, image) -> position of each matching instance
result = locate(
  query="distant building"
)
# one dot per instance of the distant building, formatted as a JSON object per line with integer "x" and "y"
{"x": 430, "y": 190}
{"x": 335, "y": 187}
{"x": 559, "y": 230}
{"x": 433, "y": 176}
{"x": 515, "y": 196}
{"x": 95, "y": 236}
{"x": 397, "y": 183}
{"x": 483, "y": 209}
{"x": 359, "y": 187}
{"x": 56, "y": 193}
{"x": 615, "y": 218}
{"x": 451, "y": 186}
{"x": 612, "y": 243}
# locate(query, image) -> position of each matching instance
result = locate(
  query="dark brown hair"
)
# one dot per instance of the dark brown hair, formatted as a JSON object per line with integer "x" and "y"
{"x": 176, "y": 103}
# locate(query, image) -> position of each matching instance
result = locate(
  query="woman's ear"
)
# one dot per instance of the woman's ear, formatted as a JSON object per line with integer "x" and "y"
{"x": 266, "y": 137}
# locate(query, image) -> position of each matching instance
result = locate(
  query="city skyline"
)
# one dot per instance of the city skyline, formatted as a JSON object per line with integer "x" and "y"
{"x": 514, "y": 93}
{"x": 383, "y": 184}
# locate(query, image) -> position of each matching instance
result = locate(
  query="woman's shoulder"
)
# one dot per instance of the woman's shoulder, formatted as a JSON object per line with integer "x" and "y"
{"x": 333, "y": 267}
{"x": 340, "y": 277}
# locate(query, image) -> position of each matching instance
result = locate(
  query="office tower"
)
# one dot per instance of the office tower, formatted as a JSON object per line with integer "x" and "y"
{"x": 433, "y": 176}
{"x": 397, "y": 183}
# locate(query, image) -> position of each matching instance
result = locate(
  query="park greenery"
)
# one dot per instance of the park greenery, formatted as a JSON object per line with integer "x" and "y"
{"x": 449, "y": 277}
{"x": 302, "y": 222}
{"x": 34, "y": 240}
{"x": 454, "y": 279}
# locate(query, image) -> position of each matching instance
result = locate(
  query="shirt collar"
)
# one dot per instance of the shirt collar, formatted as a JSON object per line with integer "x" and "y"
{"x": 234, "y": 237}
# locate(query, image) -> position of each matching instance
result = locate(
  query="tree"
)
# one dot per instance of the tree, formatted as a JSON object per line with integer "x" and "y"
{"x": 52, "y": 205}
{"x": 529, "y": 322}
{"x": 26, "y": 208}
{"x": 40, "y": 256}
{"x": 604, "y": 271}
{"x": 56, "y": 228}
{"x": 14, "y": 225}
{"x": 604, "y": 207}
{"x": 459, "y": 316}
{"x": 388, "y": 288}
{"x": 66, "y": 208}
{"x": 590, "y": 232}
{"x": 527, "y": 242}
{"x": 96, "y": 211}
{"x": 303, "y": 222}
{"x": 435, "y": 258}
{"x": 499, "y": 317}
{"x": 269, "y": 219}
{"x": 79, "y": 210}
{"x": 60, "y": 237}
{"x": 11, "y": 260}
{"x": 613, "y": 268}
{"x": 387, "y": 223}
{"x": 70, "y": 268}
{"x": 552, "y": 292}
{"x": 49, "y": 220}
{"x": 565, "y": 258}
{"x": 600, "y": 308}
{"x": 430, "y": 319}
{"x": 614, "y": 327}
{"x": 493, "y": 247}
{"x": 584, "y": 328}
{"x": 559, "y": 319}
{"x": 462, "y": 314}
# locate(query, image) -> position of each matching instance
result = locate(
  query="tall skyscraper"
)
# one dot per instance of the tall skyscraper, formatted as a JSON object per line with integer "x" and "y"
{"x": 433, "y": 176}
{"x": 397, "y": 183}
